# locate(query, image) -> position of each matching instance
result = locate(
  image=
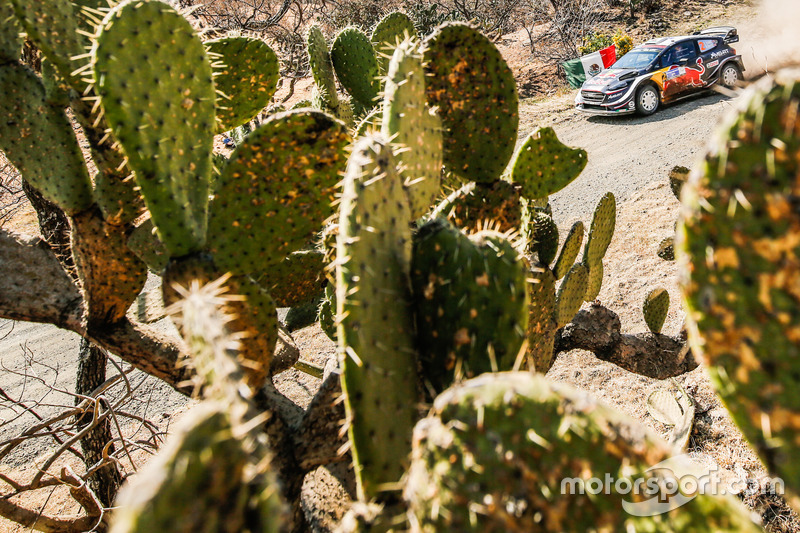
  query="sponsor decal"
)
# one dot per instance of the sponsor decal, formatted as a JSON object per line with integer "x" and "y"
{"x": 721, "y": 53}
{"x": 713, "y": 64}
{"x": 675, "y": 72}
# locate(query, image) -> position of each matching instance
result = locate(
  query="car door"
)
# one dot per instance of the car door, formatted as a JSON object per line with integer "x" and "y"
{"x": 683, "y": 72}
{"x": 709, "y": 58}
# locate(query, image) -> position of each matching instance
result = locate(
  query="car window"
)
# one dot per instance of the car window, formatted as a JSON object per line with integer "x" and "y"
{"x": 680, "y": 51}
{"x": 706, "y": 45}
{"x": 637, "y": 59}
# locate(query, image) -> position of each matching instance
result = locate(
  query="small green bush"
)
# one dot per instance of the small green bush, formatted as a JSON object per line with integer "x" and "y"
{"x": 598, "y": 40}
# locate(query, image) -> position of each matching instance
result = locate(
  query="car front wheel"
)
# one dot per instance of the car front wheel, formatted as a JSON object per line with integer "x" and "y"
{"x": 647, "y": 100}
{"x": 730, "y": 76}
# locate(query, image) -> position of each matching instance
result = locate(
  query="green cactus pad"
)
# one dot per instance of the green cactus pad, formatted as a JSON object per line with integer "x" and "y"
{"x": 542, "y": 324}
{"x": 570, "y": 294}
{"x": 655, "y": 309}
{"x": 144, "y": 242}
{"x": 111, "y": 274}
{"x": 475, "y": 206}
{"x": 543, "y": 237}
{"x": 544, "y": 166}
{"x": 569, "y": 251}
{"x": 10, "y": 39}
{"x": 739, "y": 253}
{"x": 206, "y": 479}
{"x": 595, "y": 283}
{"x": 413, "y": 128}
{"x": 158, "y": 97}
{"x": 119, "y": 201}
{"x": 666, "y": 249}
{"x": 392, "y": 29}
{"x": 602, "y": 230}
{"x": 276, "y": 190}
{"x": 256, "y": 318}
{"x": 476, "y": 95}
{"x": 303, "y": 104}
{"x": 53, "y": 26}
{"x": 39, "y": 140}
{"x": 356, "y": 66}
{"x": 494, "y": 452}
{"x": 322, "y": 69}
{"x": 327, "y": 312}
{"x": 297, "y": 279}
{"x": 470, "y": 303}
{"x": 678, "y": 177}
{"x": 376, "y": 343}
{"x": 246, "y": 71}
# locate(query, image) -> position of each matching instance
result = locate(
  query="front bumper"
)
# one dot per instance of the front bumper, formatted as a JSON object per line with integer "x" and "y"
{"x": 625, "y": 106}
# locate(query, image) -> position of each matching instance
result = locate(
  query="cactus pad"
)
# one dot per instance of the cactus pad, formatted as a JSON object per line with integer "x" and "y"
{"x": 356, "y": 66}
{"x": 144, "y": 242}
{"x": 602, "y": 230}
{"x": 246, "y": 71}
{"x": 276, "y": 190}
{"x": 390, "y": 31}
{"x": 542, "y": 324}
{"x": 543, "y": 237}
{"x": 678, "y": 177}
{"x": 666, "y": 249}
{"x": 158, "y": 97}
{"x": 10, "y": 40}
{"x": 595, "y": 282}
{"x": 544, "y": 166}
{"x": 296, "y": 280}
{"x": 376, "y": 344}
{"x": 414, "y": 128}
{"x": 493, "y": 453}
{"x": 569, "y": 251}
{"x": 570, "y": 294}
{"x": 655, "y": 309}
{"x": 475, "y": 92}
{"x": 476, "y": 205}
{"x": 470, "y": 301}
{"x": 322, "y": 69}
{"x": 39, "y": 140}
{"x": 740, "y": 260}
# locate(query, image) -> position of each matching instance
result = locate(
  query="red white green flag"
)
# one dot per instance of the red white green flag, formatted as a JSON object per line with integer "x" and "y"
{"x": 588, "y": 66}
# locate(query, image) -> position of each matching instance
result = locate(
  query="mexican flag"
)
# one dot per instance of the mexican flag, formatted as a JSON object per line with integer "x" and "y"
{"x": 588, "y": 66}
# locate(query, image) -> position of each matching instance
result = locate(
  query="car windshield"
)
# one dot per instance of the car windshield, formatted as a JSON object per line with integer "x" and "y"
{"x": 637, "y": 59}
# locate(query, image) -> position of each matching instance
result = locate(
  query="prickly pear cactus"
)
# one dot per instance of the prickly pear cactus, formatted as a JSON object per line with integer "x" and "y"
{"x": 542, "y": 325}
{"x": 158, "y": 97}
{"x": 570, "y": 294}
{"x": 470, "y": 302}
{"x": 655, "y": 309}
{"x": 666, "y": 249}
{"x": 413, "y": 127}
{"x": 298, "y": 279}
{"x": 10, "y": 40}
{"x": 376, "y": 343}
{"x": 544, "y": 166}
{"x": 543, "y": 239}
{"x": 569, "y": 251}
{"x": 390, "y": 31}
{"x": 246, "y": 72}
{"x": 212, "y": 475}
{"x": 600, "y": 233}
{"x": 475, "y": 92}
{"x": 289, "y": 166}
{"x": 739, "y": 252}
{"x": 322, "y": 70}
{"x": 678, "y": 177}
{"x": 475, "y": 206}
{"x": 356, "y": 66}
{"x": 493, "y": 454}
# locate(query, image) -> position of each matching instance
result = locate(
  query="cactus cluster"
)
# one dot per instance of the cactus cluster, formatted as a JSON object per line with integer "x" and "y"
{"x": 417, "y": 305}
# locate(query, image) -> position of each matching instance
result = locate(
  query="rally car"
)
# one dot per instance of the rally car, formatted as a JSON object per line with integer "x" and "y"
{"x": 663, "y": 70}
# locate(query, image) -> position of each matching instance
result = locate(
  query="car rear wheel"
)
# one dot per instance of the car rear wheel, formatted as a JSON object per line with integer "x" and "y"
{"x": 730, "y": 75}
{"x": 647, "y": 100}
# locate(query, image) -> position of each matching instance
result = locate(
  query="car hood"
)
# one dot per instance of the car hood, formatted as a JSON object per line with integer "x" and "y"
{"x": 608, "y": 77}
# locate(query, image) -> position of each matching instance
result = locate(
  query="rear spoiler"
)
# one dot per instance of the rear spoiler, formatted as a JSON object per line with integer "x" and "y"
{"x": 728, "y": 33}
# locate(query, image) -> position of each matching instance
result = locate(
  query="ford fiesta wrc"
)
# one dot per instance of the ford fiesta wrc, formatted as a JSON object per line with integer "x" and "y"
{"x": 661, "y": 71}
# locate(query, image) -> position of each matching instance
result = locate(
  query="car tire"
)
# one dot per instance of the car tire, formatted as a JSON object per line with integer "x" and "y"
{"x": 647, "y": 100}
{"x": 730, "y": 75}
